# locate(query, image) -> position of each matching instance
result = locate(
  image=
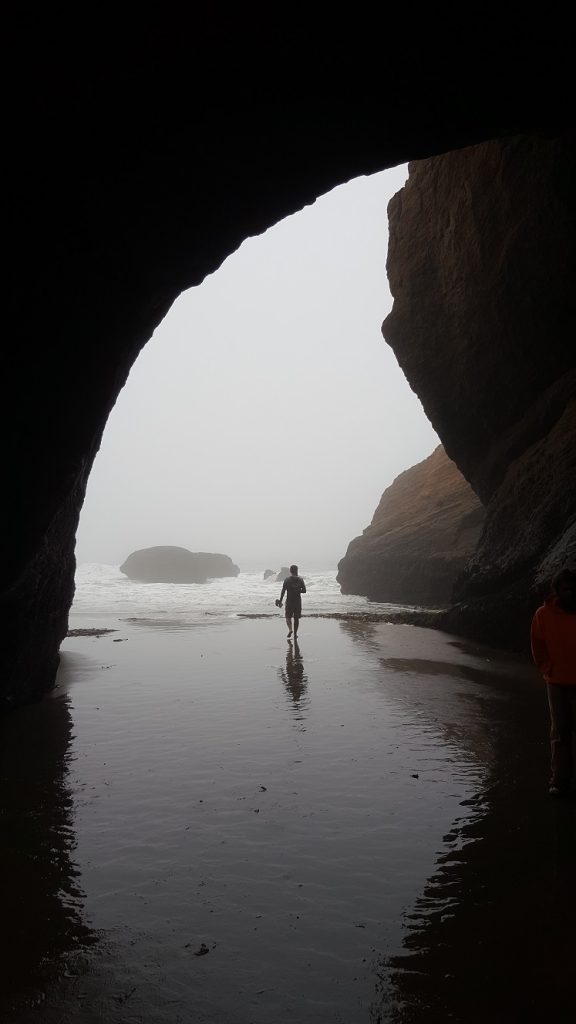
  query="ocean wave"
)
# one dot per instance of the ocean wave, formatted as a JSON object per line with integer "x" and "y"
{"x": 103, "y": 590}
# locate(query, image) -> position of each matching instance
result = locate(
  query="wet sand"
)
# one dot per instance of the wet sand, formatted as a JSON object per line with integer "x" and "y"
{"x": 205, "y": 823}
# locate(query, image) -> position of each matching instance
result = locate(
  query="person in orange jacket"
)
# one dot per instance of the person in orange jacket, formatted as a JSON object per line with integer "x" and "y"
{"x": 553, "y": 642}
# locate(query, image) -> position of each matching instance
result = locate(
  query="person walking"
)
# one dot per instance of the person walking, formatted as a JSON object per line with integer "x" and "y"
{"x": 553, "y": 643}
{"x": 293, "y": 587}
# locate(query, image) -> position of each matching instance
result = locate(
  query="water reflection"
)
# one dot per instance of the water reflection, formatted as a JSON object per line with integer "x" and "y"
{"x": 298, "y": 897}
{"x": 296, "y": 682}
{"x": 491, "y": 936}
{"x": 362, "y": 633}
{"x": 41, "y": 903}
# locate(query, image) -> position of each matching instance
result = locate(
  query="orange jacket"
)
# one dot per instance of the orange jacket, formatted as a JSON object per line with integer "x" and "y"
{"x": 553, "y": 641}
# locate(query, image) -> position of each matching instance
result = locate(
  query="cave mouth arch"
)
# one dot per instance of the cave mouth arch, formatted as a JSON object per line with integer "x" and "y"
{"x": 114, "y": 304}
{"x": 142, "y": 153}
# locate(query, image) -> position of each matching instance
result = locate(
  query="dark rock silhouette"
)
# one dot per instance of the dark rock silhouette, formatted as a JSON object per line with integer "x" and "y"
{"x": 284, "y": 572}
{"x": 422, "y": 534}
{"x": 131, "y": 209}
{"x": 480, "y": 275}
{"x": 268, "y": 573}
{"x": 176, "y": 565}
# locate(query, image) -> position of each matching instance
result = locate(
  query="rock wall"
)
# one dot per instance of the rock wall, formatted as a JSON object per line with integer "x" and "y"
{"x": 481, "y": 264}
{"x": 424, "y": 530}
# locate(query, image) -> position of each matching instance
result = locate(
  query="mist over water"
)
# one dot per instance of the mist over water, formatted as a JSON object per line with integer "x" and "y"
{"x": 266, "y": 415}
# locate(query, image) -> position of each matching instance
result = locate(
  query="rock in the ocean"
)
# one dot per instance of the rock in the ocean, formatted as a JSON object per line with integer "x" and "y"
{"x": 284, "y": 572}
{"x": 268, "y": 573}
{"x": 176, "y": 565}
{"x": 423, "y": 532}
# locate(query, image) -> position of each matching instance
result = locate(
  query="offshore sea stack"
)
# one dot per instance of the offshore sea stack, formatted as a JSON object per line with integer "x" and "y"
{"x": 480, "y": 264}
{"x": 422, "y": 534}
{"x": 169, "y": 564}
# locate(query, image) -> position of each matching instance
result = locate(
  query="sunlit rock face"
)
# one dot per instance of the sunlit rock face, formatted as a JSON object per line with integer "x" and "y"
{"x": 169, "y": 564}
{"x": 424, "y": 530}
{"x": 481, "y": 269}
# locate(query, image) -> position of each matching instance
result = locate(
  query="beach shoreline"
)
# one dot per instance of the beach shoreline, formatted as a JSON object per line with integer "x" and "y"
{"x": 257, "y": 823}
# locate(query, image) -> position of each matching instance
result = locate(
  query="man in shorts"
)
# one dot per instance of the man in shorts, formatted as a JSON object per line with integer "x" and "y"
{"x": 293, "y": 587}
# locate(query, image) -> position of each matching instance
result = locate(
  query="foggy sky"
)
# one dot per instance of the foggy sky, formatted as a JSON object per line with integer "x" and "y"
{"x": 267, "y": 414}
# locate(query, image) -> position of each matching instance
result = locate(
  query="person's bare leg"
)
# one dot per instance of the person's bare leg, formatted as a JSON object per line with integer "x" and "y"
{"x": 296, "y": 624}
{"x": 289, "y": 624}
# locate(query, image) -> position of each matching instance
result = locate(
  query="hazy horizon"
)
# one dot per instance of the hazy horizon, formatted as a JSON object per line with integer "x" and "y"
{"x": 266, "y": 415}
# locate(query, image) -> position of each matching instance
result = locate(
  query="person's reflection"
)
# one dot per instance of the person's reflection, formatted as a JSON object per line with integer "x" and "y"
{"x": 296, "y": 680}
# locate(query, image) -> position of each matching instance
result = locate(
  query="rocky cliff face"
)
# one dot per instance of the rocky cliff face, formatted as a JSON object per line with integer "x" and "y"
{"x": 422, "y": 534}
{"x": 480, "y": 263}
